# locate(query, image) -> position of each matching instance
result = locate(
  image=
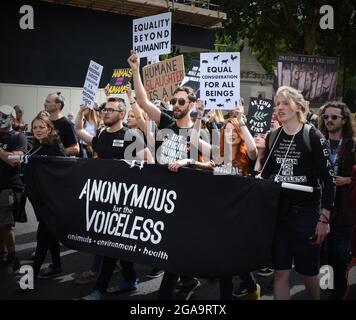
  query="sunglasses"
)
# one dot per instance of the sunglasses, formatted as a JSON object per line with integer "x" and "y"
{"x": 181, "y": 101}
{"x": 110, "y": 110}
{"x": 332, "y": 116}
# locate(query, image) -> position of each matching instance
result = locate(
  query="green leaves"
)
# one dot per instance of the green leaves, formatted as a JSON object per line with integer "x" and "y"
{"x": 259, "y": 115}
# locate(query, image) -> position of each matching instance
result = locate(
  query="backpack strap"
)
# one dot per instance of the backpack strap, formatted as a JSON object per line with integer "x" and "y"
{"x": 272, "y": 137}
{"x": 306, "y": 136}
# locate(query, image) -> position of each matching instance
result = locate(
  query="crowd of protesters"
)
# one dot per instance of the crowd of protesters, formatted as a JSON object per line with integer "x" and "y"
{"x": 300, "y": 147}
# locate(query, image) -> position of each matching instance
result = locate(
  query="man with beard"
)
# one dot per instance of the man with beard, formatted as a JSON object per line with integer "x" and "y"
{"x": 337, "y": 125}
{"x": 175, "y": 132}
{"x": 111, "y": 143}
{"x": 54, "y": 104}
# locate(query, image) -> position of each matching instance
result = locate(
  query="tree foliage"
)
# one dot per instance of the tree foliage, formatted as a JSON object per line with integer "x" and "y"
{"x": 292, "y": 27}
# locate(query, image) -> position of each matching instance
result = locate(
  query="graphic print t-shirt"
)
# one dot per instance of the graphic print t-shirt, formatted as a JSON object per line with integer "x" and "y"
{"x": 174, "y": 141}
{"x": 301, "y": 166}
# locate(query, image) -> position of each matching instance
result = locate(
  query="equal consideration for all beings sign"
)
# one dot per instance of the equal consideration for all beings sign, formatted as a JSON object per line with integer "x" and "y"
{"x": 259, "y": 115}
{"x": 152, "y": 35}
{"x": 91, "y": 84}
{"x": 162, "y": 78}
{"x": 149, "y": 215}
{"x": 220, "y": 80}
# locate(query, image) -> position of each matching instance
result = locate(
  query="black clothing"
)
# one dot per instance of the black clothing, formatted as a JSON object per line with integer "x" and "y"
{"x": 65, "y": 130}
{"x": 11, "y": 141}
{"x": 302, "y": 167}
{"x": 112, "y": 145}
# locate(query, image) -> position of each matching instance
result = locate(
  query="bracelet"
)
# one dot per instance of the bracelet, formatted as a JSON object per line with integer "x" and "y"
{"x": 198, "y": 118}
{"x": 132, "y": 103}
{"x": 242, "y": 124}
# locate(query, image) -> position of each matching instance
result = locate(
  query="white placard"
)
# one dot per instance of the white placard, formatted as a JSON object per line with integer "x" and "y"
{"x": 91, "y": 84}
{"x": 151, "y": 35}
{"x": 220, "y": 80}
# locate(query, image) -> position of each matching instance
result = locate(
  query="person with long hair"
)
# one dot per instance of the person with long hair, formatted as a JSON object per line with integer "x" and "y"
{"x": 90, "y": 124}
{"x": 46, "y": 143}
{"x": 237, "y": 150}
{"x": 337, "y": 125}
{"x": 303, "y": 223}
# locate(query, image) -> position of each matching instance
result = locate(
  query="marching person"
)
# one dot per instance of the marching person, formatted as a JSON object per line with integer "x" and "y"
{"x": 54, "y": 105}
{"x": 338, "y": 126}
{"x": 46, "y": 142}
{"x": 173, "y": 148}
{"x": 111, "y": 143}
{"x": 302, "y": 226}
{"x": 11, "y": 143}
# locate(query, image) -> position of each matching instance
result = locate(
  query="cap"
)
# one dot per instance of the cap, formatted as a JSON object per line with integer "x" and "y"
{"x": 7, "y": 110}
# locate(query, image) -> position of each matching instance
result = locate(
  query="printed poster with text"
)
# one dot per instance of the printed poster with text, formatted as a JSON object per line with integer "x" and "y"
{"x": 220, "y": 80}
{"x": 192, "y": 78}
{"x": 91, "y": 84}
{"x": 315, "y": 77}
{"x": 259, "y": 115}
{"x": 119, "y": 81}
{"x": 162, "y": 78}
{"x": 152, "y": 35}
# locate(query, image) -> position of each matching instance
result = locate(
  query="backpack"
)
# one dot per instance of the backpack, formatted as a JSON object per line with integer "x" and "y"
{"x": 306, "y": 136}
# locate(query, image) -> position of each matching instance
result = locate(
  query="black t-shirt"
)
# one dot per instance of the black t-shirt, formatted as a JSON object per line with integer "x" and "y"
{"x": 65, "y": 130}
{"x": 112, "y": 145}
{"x": 174, "y": 140}
{"x": 11, "y": 141}
{"x": 54, "y": 149}
{"x": 303, "y": 167}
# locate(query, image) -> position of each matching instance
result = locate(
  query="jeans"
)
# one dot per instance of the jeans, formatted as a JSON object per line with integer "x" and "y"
{"x": 97, "y": 263}
{"x": 339, "y": 246}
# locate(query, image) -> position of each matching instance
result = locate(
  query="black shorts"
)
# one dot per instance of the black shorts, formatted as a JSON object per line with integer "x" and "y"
{"x": 292, "y": 244}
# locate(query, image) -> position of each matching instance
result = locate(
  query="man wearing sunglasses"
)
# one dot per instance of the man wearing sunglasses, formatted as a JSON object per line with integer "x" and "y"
{"x": 338, "y": 126}
{"x": 175, "y": 132}
{"x": 111, "y": 143}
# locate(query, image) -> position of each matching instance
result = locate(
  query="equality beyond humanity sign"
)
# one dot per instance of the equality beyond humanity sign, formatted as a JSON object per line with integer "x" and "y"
{"x": 152, "y": 35}
{"x": 220, "y": 80}
{"x": 162, "y": 78}
{"x": 150, "y": 215}
{"x": 91, "y": 84}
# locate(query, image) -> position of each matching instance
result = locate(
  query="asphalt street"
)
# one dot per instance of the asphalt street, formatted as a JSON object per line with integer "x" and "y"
{"x": 63, "y": 287}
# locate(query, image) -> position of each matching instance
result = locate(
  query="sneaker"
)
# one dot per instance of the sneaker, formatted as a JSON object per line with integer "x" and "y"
{"x": 240, "y": 292}
{"x": 265, "y": 272}
{"x": 186, "y": 291}
{"x": 256, "y": 295}
{"x": 86, "y": 277}
{"x": 124, "y": 287}
{"x": 49, "y": 272}
{"x": 95, "y": 295}
{"x": 155, "y": 273}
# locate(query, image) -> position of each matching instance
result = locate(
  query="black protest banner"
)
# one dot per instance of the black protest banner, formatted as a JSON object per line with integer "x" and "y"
{"x": 315, "y": 77}
{"x": 192, "y": 78}
{"x": 149, "y": 215}
{"x": 259, "y": 115}
{"x": 119, "y": 81}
